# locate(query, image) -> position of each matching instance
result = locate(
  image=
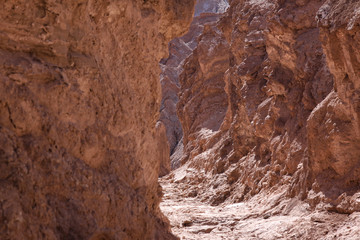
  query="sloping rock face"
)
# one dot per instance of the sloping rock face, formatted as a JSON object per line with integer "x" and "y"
{"x": 79, "y": 100}
{"x": 334, "y": 125}
{"x": 210, "y": 6}
{"x": 179, "y": 49}
{"x": 206, "y": 13}
{"x": 203, "y": 101}
{"x": 291, "y": 127}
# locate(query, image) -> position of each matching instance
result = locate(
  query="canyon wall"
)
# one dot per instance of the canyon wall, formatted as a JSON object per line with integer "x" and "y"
{"x": 79, "y": 101}
{"x": 172, "y": 66}
{"x": 286, "y": 75}
{"x": 210, "y": 6}
{"x": 334, "y": 125}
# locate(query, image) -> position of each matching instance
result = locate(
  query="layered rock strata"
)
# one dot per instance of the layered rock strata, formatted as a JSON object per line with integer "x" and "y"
{"x": 291, "y": 126}
{"x": 79, "y": 100}
{"x": 179, "y": 49}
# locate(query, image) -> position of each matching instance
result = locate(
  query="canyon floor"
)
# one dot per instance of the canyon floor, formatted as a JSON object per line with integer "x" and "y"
{"x": 192, "y": 219}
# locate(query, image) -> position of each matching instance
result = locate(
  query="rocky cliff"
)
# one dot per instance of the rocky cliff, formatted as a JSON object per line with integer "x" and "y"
{"x": 179, "y": 50}
{"x": 286, "y": 73}
{"x": 334, "y": 125}
{"x": 79, "y": 100}
{"x": 210, "y": 6}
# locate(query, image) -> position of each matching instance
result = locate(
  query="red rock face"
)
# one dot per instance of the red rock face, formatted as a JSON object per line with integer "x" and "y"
{"x": 79, "y": 100}
{"x": 286, "y": 73}
{"x": 334, "y": 125}
{"x": 203, "y": 101}
{"x": 179, "y": 50}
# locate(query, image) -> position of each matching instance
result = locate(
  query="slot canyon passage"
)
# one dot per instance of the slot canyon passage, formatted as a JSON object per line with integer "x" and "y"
{"x": 252, "y": 120}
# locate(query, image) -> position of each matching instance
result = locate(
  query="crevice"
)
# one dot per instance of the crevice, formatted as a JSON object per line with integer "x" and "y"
{"x": 10, "y": 118}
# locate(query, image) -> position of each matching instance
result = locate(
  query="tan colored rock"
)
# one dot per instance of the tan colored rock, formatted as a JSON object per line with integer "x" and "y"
{"x": 79, "y": 100}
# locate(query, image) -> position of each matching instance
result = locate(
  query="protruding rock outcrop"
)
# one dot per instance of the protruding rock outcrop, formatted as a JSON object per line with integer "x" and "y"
{"x": 179, "y": 49}
{"x": 210, "y": 6}
{"x": 203, "y": 101}
{"x": 287, "y": 76}
{"x": 79, "y": 100}
{"x": 334, "y": 125}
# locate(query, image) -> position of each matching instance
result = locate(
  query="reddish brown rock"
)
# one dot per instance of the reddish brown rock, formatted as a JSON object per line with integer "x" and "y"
{"x": 291, "y": 124}
{"x": 203, "y": 101}
{"x": 283, "y": 162}
{"x": 334, "y": 125}
{"x": 163, "y": 149}
{"x": 79, "y": 100}
{"x": 179, "y": 49}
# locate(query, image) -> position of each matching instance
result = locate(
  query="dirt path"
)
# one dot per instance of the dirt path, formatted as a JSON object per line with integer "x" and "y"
{"x": 191, "y": 219}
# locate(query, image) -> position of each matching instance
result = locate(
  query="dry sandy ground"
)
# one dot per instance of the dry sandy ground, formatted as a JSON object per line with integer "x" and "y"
{"x": 192, "y": 219}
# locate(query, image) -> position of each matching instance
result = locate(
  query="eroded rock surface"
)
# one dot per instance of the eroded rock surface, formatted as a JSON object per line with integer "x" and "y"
{"x": 179, "y": 50}
{"x": 203, "y": 101}
{"x": 290, "y": 89}
{"x": 334, "y": 125}
{"x": 192, "y": 219}
{"x": 79, "y": 100}
{"x": 210, "y": 6}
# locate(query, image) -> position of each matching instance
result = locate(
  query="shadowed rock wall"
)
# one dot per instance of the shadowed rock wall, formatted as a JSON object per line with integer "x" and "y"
{"x": 179, "y": 50}
{"x": 292, "y": 116}
{"x": 334, "y": 125}
{"x": 207, "y": 12}
{"x": 210, "y": 6}
{"x": 79, "y": 100}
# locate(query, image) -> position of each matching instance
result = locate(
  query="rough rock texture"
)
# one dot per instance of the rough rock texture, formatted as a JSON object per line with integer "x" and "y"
{"x": 163, "y": 149}
{"x": 334, "y": 125}
{"x": 79, "y": 100}
{"x": 192, "y": 219}
{"x": 210, "y": 6}
{"x": 203, "y": 101}
{"x": 292, "y": 102}
{"x": 284, "y": 161}
{"x": 179, "y": 49}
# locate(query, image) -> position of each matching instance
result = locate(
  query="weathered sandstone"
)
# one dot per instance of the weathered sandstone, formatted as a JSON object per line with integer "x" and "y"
{"x": 283, "y": 162}
{"x": 179, "y": 49}
{"x": 203, "y": 101}
{"x": 210, "y": 6}
{"x": 288, "y": 81}
{"x": 79, "y": 101}
{"x": 334, "y": 125}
